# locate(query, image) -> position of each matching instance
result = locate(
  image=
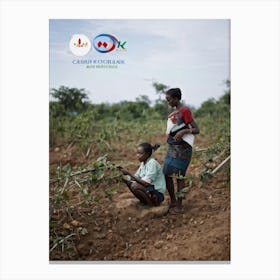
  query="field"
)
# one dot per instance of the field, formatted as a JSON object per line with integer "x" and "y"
{"x": 86, "y": 222}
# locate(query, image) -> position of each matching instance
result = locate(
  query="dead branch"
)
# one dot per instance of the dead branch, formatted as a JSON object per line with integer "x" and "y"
{"x": 221, "y": 165}
{"x": 89, "y": 150}
{"x": 70, "y": 145}
{"x": 200, "y": 150}
{"x": 53, "y": 180}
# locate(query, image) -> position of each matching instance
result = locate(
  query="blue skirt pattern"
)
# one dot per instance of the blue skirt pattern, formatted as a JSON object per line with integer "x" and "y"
{"x": 177, "y": 159}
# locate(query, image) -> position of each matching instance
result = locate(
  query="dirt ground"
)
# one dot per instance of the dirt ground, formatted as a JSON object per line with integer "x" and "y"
{"x": 201, "y": 233}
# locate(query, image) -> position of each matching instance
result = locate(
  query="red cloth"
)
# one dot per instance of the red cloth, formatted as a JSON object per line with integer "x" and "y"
{"x": 185, "y": 114}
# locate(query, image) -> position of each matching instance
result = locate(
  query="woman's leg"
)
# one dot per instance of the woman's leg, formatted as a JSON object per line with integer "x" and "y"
{"x": 139, "y": 192}
{"x": 180, "y": 185}
{"x": 171, "y": 191}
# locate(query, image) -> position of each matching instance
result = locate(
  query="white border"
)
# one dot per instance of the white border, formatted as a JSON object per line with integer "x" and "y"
{"x": 255, "y": 138}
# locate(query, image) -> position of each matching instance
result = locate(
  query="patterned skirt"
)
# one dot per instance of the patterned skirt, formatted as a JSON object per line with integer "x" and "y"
{"x": 177, "y": 159}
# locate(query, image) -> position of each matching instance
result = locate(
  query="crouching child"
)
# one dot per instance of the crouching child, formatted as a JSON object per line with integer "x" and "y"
{"x": 148, "y": 183}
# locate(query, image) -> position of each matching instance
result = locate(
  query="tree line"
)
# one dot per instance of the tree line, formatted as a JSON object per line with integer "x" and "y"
{"x": 73, "y": 101}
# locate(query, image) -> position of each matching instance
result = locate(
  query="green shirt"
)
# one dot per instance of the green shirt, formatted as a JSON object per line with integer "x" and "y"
{"x": 151, "y": 172}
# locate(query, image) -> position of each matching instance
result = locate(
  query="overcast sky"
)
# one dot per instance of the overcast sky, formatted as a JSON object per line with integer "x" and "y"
{"x": 191, "y": 54}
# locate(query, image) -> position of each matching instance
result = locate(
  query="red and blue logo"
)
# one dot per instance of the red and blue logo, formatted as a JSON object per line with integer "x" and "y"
{"x": 105, "y": 43}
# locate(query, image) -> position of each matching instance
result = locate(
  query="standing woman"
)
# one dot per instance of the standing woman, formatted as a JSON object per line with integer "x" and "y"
{"x": 180, "y": 131}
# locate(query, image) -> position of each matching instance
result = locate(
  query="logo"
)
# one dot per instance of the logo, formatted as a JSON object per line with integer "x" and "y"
{"x": 105, "y": 43}
{"x": 79, "y": 44}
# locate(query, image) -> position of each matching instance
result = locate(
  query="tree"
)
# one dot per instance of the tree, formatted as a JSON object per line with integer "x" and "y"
{"x": 216, "y": 108}
{"x": 73, "y": 99}
{"x": 226, "y": 97}
{"x": 160, "y": 89}
{"x": 207, "y": 108}
{"x": 162, "y": 108}
{"x": 143, "y": 98}
{"x": 133, "y": 110}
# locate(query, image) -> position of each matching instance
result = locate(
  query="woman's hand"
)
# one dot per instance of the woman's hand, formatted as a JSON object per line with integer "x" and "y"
{"x": 179, "y": 135}
{"x": 124, "y": 171}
